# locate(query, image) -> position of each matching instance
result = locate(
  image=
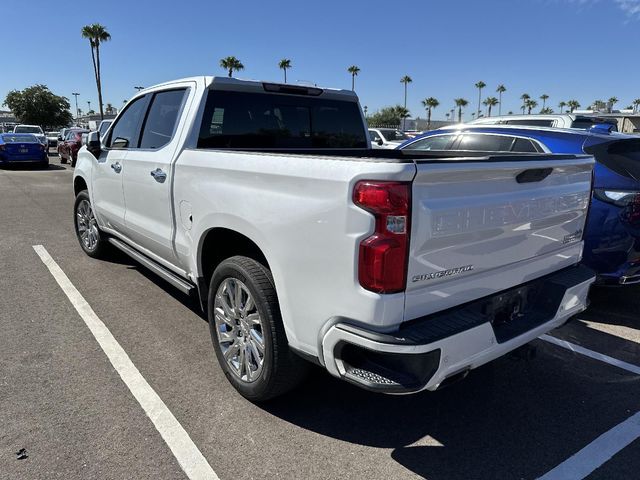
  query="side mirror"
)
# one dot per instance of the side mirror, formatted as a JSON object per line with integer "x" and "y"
{"x": 93, "y": 144}
{"x": 59, "y": 138}
{"x": 380, "y": 142}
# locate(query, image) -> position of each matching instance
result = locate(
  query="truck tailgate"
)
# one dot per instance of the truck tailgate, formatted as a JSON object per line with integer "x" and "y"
{"x": 479, "y": 227}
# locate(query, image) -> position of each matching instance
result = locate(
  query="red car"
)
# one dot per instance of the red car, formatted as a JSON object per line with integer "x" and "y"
{"x": 68, "y": 148}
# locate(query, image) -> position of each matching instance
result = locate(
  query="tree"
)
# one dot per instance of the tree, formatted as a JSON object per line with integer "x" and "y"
{"x": 613, "y": 101}
{"x": 530, "y": 104}
{"x": 460, "y": 102}
{"x": 597, "y": 104}
{"x": 544, "y": 97}
{"x": 490, "y": 102}
{"x": 353, "y": 70}
{"x": 429, "y": 104}
{"x": 406, "y": 80}
{"x": 546, "y": 110}
{"x": 37, "y": 105}
{"x": 573, "y": 104}
{"x": 388, "y": 116}
{"x": 636, "y": 104}
{"x": 231, "y": 64}
{"x": 96, "y": 34}
{"x": 524, "y": 97}
{"x": 480, "y": 85}
{"x": 561, "y": 105}
{"x": 284, "y": 64}
{"x": 501, "y": 89}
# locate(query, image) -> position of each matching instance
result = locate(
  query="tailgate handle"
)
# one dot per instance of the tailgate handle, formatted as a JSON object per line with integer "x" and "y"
{"x": 533, "y": 175}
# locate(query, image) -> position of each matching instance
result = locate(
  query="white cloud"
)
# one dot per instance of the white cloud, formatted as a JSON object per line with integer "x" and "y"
{"x": 631, "y": 8}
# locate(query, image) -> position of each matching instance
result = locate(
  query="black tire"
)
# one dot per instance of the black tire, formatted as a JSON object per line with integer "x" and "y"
{"x": 282, "y": 370}
{"x": 62, "y": 159}
{"x": 100, "y": 248}
{"x": 44, "y": 164}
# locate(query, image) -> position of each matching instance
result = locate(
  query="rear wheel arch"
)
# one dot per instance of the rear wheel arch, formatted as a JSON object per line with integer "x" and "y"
{"x": 217, "y": 245}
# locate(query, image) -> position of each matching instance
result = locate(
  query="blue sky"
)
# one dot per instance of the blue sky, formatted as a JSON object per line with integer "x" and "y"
{"x": 582, "y": 49}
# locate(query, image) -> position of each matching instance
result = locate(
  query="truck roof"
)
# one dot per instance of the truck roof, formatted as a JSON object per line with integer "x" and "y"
{"x": 247, "y": 85}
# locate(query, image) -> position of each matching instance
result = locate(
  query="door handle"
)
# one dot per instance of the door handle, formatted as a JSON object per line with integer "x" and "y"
{"x": 116, "y": 167}
{"x": 159, "y": 175}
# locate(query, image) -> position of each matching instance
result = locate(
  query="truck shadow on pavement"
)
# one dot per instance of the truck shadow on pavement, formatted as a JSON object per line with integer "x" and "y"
{"x": 512, "y": 418}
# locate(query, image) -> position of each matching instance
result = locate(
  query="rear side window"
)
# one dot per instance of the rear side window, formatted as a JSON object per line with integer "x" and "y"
{"x": 437, "y": 142}
{"x": 265, "y": 120}
{"x": 162, "y": 118}
{"x": 485, "y": 143}
{"x": 532, "y": 122}
{"x": 523, "y": 145}
{"x": 124, "y": 133}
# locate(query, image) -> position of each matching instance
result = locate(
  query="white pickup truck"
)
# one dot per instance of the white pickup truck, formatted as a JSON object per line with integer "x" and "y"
{"x": 397, "y": 271}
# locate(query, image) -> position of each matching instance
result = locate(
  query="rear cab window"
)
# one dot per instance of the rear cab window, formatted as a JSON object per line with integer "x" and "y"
{"x": 248, "y": 120}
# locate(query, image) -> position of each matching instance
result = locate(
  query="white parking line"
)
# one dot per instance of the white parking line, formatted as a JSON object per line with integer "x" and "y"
{"x": 598, "y": 452}
{"x": 191, "y": 460}
{"x": 590, "y": 353}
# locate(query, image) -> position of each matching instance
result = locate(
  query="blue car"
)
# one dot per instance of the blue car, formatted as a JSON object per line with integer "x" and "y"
{"x": 22, "y": 148}
{"x": 612, "y": 236}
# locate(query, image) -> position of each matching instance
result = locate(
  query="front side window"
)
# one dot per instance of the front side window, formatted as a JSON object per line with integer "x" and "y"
{"x": 266, "y": 120}
{"x": 373, "y": 135}
{"x": 162, "y": 118}
{"x": 124, "y": 133}
{"x": 485, "y": 143}
{"x": 437, "y": 142}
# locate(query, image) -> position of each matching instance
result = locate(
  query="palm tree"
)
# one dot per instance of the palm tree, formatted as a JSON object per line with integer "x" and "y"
{"x": 562, "y": 105}
{"x": 96, "y": 34}
{"x": 501, "y": 89}
{"x": 530, "y": 104}
{"x": 524, "y": 97}
{"x": 460, "y": 102}
{"x": 546, "y": 110}
{"x": 490, "y": 102}
{"x": 597, "y": 104}
{"x": 231, "y": 64}
{"x": 353, "y": 70}
{"x": 480, "y": 85}
{"x": 429, "y": 103}
{"x": 406, "y": 80}
{"x": 636, "y": 104}
{"x": 573, "y": 104}
{"x": 544, "y": 98}
{"x": 284, "y": 64}
{"x": 612, "y": 102}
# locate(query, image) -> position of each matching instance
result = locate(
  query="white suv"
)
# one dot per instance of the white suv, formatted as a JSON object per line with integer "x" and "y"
{"x": 564, "y": 120}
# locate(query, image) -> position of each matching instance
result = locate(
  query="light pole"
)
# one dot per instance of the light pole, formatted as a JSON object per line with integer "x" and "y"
{"x": 89, "y": 103}
{"x": 75, "y": 94}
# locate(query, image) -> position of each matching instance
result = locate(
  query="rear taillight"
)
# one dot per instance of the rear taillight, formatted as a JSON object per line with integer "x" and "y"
{"x": 382, "y": 263}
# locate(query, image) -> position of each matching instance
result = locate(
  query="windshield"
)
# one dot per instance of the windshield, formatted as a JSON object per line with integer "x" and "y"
{"x": 265, "y": 120}
{"x": 19, "y": 138}
{"x": 27, "y": 129}
{"x": 394, "y": 136}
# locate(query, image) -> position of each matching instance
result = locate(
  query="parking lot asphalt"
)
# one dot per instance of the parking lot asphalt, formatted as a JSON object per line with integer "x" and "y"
{"x": 62, "y": 400}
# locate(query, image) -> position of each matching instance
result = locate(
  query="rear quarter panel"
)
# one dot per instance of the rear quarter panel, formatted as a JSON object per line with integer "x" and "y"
{"x": 298, "y": 210}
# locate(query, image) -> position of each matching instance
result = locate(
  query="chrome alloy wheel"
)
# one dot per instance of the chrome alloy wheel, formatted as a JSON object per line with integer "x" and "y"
{"x": 239, "y": 329}
{"x": 87, "y": 226}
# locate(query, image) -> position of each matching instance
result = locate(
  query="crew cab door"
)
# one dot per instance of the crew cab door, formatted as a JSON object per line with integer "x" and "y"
{"x": 108, "y": 196}
{"x": 147, "y": 180}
